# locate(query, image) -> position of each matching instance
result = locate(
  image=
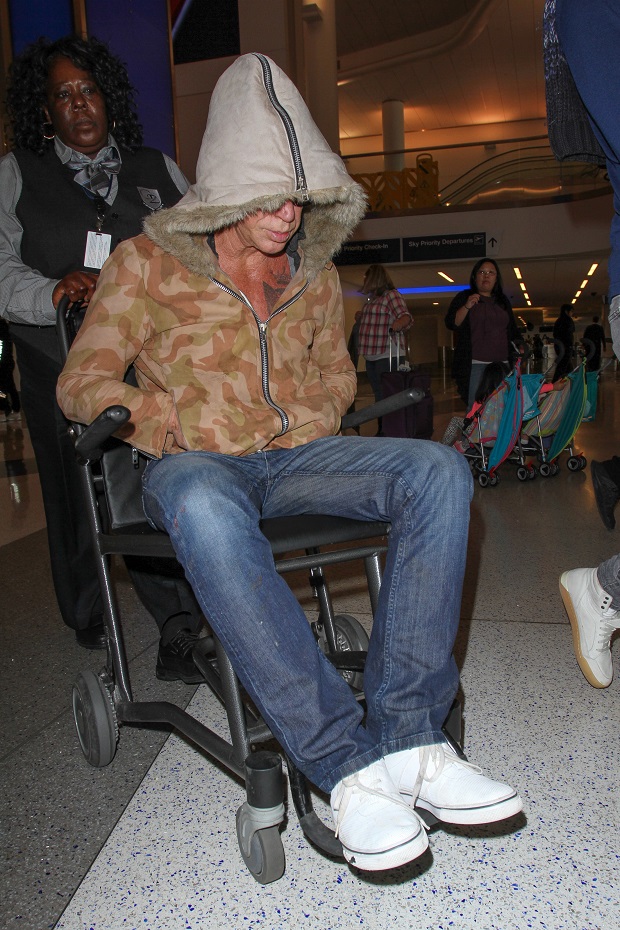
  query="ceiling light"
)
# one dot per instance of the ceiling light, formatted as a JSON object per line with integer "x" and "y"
{"x": 517, "y": 273}
{"x": 584, "y": 283}
{"x": 529, "y": 303}
{"x": 574, "y": 300}
{"x": 577, "y": 294}
{"x": 446, "y": 276}
{"x": 522, "y": 285}
{"x": 592, "y": 269}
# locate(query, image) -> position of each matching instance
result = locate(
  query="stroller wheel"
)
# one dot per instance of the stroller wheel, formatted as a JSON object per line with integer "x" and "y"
{"x": 545, "y": 469}
{"x": 531, "y": 473}
{"x": 483, "y": 479}
{"x": 493, "y": 480}
{"x": 582, "y": 461}
{"x": 555, "y": 469}
{"x": 573, "y": 463}
{"x": 522, "y": 473}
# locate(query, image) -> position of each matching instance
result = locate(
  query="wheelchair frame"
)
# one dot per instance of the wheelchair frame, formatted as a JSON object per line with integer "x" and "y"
{"x": 103, "y": 702}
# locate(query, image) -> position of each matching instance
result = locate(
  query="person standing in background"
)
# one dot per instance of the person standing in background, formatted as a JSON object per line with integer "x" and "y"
{"x": 564, "y": 333}
{"x": 384, "y": 313}
{"x": 583, "y": 106}
{"x": 595, "y": 343}
{"x": 485, "y": 327}
{"x": 77, "y": 183}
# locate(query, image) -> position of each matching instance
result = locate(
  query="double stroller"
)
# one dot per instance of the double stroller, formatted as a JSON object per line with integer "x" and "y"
{"x": 526, "y": 419}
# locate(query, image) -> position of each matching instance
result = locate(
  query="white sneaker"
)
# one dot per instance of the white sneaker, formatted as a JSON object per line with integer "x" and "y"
{"x": 455, "y": 791}
{"x": 376, "y": 828}
{"x": 593, "y": 621}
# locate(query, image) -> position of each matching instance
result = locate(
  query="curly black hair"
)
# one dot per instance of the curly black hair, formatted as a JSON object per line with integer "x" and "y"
{"x": 26, "y": 95}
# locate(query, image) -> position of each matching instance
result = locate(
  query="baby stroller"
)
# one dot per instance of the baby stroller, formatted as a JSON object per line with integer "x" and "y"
{"x": 552, "y": 429}
{"x": 490, "y": 436}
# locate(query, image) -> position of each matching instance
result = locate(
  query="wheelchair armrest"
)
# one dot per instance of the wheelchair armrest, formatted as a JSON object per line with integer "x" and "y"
{"x": 89, "y": 444}
{"x": 382, "y": 407}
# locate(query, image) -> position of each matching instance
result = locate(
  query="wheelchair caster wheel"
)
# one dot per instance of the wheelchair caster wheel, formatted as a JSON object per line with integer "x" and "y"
{"x": 261, "y": 849}
{"x": 95, "y": 719}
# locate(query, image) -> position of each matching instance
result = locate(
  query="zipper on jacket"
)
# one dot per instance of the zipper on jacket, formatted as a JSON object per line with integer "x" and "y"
{"x": 264, "y": 351}
{"x": 302, "y": 186}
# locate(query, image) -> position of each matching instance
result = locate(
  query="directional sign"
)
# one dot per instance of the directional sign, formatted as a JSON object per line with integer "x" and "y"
{"x": 492, "y": 244}
{"x": 369, "y": 252}
{"x": 440, "y": 247}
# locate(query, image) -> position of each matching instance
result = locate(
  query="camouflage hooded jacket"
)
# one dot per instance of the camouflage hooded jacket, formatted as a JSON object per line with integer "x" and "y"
{"x": 198, "y": 348}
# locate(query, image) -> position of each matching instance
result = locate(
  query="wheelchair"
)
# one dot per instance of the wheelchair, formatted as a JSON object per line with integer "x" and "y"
{"x": 103, "y": 703}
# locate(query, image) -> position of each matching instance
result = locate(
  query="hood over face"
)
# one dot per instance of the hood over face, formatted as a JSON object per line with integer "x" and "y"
{"x": 260, "y": 148}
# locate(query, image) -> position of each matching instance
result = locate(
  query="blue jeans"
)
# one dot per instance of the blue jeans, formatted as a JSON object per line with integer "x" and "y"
{"x": 589, "y": 35}
{"x": 609, "y": 578}
{"x": 211, "y": 504}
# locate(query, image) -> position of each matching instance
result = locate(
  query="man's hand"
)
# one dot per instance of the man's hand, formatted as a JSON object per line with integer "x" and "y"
{"x": 77, "y": 285}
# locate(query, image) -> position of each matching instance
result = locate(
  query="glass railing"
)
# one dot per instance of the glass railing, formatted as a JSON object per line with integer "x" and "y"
{"x": 516, "y": 173}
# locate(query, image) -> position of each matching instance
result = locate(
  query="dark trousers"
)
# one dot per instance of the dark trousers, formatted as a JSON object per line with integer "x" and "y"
{"x": 72, "y": 556}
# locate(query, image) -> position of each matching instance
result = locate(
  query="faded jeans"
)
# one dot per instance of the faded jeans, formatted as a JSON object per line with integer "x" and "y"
{"x": 211, "y": 504}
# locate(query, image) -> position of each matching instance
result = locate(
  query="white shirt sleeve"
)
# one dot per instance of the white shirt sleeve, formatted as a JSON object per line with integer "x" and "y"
{"x": 25, "y": 294}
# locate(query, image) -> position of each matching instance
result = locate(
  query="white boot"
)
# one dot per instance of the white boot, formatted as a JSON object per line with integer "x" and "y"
{"x": 593, "y": 621}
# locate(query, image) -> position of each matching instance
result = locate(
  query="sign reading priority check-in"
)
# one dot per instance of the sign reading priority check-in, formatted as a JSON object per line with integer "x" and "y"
{"x": 369, "y": 252}
{"x": 441, "y": 248}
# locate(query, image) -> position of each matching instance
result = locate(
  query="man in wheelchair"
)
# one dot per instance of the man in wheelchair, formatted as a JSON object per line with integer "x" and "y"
{"x": 230, "y": 310}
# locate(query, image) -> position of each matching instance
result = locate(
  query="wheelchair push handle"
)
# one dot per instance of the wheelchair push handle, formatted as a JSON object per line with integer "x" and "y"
{"x": 382, "y": 407}
{"x": 89, "y": 444}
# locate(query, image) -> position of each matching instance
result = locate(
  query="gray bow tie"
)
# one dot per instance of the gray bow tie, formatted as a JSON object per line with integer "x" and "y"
{"x": 96, "y": 175}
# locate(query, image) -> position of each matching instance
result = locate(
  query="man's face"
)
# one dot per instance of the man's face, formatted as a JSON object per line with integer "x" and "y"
{"x": 269, "y": 233}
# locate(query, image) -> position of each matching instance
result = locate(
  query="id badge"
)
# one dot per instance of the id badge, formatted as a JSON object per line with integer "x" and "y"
{"x": 97, "y": 249}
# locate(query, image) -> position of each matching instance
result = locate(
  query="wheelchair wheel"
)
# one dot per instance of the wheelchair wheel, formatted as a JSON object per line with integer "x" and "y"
{"x": 351, "y": 637}
{"x": 95, "y": 719}
{"x": 265, "y": 859}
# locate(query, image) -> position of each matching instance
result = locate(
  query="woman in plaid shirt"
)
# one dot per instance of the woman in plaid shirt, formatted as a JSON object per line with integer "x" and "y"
{"x": 385, "y": 310}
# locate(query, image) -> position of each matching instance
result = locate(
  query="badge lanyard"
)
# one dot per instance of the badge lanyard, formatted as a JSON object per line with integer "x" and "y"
{"x": 98, "y": 243}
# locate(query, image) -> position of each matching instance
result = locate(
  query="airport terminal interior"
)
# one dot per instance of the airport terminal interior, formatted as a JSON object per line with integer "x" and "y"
{"x": 149, "y": 841}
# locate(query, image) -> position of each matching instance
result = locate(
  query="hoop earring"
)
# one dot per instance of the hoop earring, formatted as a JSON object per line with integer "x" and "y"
{"x": 53, "y": 135}
{"x": 113, "y": 127}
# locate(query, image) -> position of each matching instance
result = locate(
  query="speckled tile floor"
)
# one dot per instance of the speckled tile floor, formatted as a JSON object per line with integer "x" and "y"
{"x": 149, "y": 842}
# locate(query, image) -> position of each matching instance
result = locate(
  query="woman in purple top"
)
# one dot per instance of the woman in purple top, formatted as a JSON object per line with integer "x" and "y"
{"x": 485, "y": 327}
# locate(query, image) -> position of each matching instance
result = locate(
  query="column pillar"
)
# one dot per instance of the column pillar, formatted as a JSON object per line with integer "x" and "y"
{"x": 393, "y": 134}
{"x": 322, "y": 67}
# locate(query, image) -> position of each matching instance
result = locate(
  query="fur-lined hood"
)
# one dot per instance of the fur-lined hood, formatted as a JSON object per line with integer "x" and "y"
{"x": 261, "y": 148}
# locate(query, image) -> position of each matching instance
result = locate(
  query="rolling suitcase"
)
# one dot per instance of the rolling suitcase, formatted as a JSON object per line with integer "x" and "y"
{"x": 416, "y": 420}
